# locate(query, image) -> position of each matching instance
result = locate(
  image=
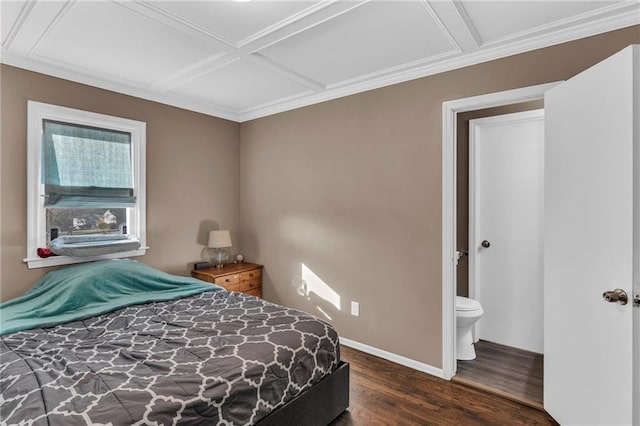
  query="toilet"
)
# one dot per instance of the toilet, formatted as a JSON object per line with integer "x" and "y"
{"x": 468, "y": 311}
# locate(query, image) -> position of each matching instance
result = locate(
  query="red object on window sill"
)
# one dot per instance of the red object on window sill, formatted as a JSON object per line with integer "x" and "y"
{"x": 45, "y": 252}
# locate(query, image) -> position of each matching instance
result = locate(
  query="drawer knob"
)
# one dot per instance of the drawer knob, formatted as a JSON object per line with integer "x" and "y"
{"x": 228, "y": 280}
{"x": 251, "y": 274}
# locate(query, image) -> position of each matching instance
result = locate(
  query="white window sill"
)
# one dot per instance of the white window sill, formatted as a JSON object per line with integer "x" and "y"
{"x": 39, "y": 262}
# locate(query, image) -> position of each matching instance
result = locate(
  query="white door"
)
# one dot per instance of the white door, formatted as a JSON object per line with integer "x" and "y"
{"x": 506, "y": 169}
{"x": 592, "y": 236}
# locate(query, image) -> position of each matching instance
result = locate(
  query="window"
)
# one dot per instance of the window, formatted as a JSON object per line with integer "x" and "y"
{"x": 86, "y": 176}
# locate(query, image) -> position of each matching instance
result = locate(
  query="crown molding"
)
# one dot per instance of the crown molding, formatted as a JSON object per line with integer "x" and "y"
{"x": 53, "y": 70}
{"x": 589, "y": 19}
{"x": 621, "y": 16}
{"x": 628, "y": 16}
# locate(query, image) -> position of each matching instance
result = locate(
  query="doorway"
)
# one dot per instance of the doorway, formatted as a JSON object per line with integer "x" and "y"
{"x": 591, "y": 239}
{"x": 503, "y": 152}
{"x": 451, "y": 110}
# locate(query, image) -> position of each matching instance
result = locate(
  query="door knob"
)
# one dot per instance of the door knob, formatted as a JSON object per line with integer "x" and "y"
{"x": 486, "y": 244}
{"x": 618, "y": 296}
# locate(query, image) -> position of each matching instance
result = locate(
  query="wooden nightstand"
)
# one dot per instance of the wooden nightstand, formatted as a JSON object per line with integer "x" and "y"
{"x": 244, "y": 277}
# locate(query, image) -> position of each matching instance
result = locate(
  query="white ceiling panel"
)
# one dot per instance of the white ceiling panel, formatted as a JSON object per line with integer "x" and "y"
{"x": 10, "y": 12}
{"x": 31, "y": 24}
{"x": 236, "y": 21}
{"x": 371, "y": 38}
{"x": 242, "y": 61}
{"x": 114, "y": 41}
{"x": 518, "y": 16}
{"x": 240, "y": 85}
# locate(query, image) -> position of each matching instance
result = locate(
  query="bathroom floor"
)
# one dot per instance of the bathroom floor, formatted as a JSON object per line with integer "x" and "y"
{"x": 509, "y": 372}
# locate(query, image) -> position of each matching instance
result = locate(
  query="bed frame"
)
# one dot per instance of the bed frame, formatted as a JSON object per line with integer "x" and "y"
{"x": 318, "y": 405}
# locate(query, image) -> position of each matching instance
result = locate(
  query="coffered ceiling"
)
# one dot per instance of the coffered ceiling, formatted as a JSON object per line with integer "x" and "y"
{"x": 243, "y": 60}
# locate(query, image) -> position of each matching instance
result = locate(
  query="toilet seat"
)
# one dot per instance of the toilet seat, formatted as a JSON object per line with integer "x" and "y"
{"x": 466, "y": 304}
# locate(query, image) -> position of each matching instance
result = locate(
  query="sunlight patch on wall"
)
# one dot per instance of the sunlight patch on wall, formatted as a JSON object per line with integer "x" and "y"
{"x": 324, "y": 313}
{"x": 314, "y": 284}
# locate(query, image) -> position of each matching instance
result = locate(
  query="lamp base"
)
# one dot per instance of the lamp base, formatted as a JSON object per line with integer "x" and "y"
{"x": 219, "y": 257}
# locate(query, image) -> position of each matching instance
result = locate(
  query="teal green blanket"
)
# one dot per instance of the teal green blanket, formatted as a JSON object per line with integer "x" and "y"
{"x": 90, "y": 289}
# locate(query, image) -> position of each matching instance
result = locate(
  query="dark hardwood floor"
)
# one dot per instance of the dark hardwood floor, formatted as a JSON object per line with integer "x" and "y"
{"x": 510, "y": 372}
{"x": 385, "y": 393}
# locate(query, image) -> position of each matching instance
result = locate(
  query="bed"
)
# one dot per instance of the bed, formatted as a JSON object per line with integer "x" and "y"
{"x": 117, "y": 342}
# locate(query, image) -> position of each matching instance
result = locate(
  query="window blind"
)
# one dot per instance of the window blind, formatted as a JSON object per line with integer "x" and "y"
{"x": 86, "y": 167}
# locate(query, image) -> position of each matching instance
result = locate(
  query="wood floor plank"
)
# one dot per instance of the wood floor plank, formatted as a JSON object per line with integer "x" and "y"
{"x": 510, "y": 372}
{"x": 384, "y": 393}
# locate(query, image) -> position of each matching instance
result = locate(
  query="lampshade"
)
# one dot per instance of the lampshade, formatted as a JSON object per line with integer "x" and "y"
{"x": 218, "y": 239}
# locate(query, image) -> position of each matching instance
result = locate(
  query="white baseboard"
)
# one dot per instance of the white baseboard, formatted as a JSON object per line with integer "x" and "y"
{"x": 398, "y": 359}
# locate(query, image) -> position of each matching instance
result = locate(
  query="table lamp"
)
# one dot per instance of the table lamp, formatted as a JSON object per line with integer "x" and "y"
{"x": 219, "y": 240}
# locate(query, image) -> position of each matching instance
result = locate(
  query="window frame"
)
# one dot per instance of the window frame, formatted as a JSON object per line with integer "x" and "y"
{"x": 36, "y": 212}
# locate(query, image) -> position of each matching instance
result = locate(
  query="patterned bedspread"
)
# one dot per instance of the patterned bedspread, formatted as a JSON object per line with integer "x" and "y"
{"x": 216, "y": 358}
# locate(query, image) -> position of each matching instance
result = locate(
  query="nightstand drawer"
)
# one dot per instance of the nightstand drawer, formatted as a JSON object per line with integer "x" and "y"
{"x": 230, "y": 282}
{"x": 257, "y": 292}
{"x": 250, "y": 280}
{"x": 244, "y": 277}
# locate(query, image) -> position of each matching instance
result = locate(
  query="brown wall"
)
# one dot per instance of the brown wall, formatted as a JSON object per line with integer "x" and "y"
{"x": 462, "y": 181}
{"x": 351, "y": 188}
{"x": 192, "y": 173}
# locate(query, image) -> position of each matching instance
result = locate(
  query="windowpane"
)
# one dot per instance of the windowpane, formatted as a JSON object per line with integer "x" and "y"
{"x": 85, "y": 166}
{"x": 79, "y": 221}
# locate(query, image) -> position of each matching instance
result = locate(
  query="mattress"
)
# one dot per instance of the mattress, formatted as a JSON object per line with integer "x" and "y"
{"x": 215, "y": 358}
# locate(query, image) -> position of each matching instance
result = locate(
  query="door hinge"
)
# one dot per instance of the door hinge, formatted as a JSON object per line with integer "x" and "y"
{"x": 636, "y": 300}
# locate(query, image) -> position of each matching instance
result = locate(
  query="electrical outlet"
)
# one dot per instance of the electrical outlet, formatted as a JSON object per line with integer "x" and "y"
{"x": 355, "y": 309}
